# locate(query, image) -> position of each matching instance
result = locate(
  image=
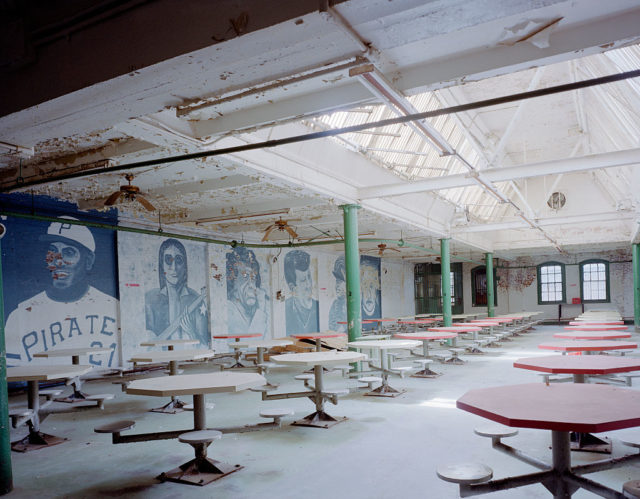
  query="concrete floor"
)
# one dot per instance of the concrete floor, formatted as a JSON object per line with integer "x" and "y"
{"x": 388, "y": 448}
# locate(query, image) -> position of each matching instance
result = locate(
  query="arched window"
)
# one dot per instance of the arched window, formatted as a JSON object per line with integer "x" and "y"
{"x": 551, "y": 283}
{"x": 594, "y": 281}
{"x": 479, "y": 287}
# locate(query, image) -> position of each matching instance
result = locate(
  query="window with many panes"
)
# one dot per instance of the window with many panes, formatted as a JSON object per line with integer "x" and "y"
{"x": 551, "y": 283}
{"x": 479, "y": 287}
{"x": 594, "y": 281}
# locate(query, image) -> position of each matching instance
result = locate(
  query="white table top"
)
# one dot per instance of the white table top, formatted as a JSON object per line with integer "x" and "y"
{"x": 70, "y": 352}
{"x": 373, "y": 337}
{"x": 318, "y": 358}
{"x": 168, "y": 343}
{"x": 169, "y": 355}
{"x": 194, "y": 384}
{"x": 263, "y": 343}
{"x": 385, "y": 344}
{"x": 45, "y": 372}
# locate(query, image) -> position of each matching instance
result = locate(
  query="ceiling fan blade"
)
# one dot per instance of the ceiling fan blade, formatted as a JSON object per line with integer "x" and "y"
{"x": 291, "y": 232}
{"x": 393, "y": 249}
{"x": 268, "y": 232}
{"x": 145, "y": 203}
{"x": 111, "y": 200}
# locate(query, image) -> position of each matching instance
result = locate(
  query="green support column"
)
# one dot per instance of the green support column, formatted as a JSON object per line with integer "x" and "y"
{"x": 352, "y": 265}
{"x": 6, "y": 480}
{"x": 445, "y": 270}
{"x": 490, "y": 298}
{"x": 635, "y": 254}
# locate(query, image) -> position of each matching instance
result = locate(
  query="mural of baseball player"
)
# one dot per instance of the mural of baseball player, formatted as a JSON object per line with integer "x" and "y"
{"x": 247, "y": 301}
{"x": 69, "y": 312}
{"x": 174, "y": 310}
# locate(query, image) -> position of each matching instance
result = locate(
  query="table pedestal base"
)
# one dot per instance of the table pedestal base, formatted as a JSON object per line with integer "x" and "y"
{"x": 174, "y": 407}
{"x": 319, "y": 419}
{"x": 36, "y": 440}
{"x": 199, "y": 471}
{"x": 586, "y": 442}
{"x": 76, "y": 396}
{"x": 385, "y": 390}
{"x": 426, "y": 373}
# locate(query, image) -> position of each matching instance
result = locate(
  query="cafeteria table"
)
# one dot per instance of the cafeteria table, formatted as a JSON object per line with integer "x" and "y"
{"x": 425, "y": 338}
{"x": 261, "y": 347}
{"x": 172, "y": 357}
{"x": 318, "y": 337}
{"x": 592, "y": 335}
{"x": 198, "y": 471}
{"x": 384, "y": 390}
{"x": 587, "y": 346}
{"x": 559, "y": 408}
{"x": 75, "y": 353}
{"x": 33, "y": 374}
{"x": 580, "y": 366}
{"x": 170, "y": 344}
{"x": 237, "y": 337}
{"x": 593, "y": 327}
{"x": 317, "y": 360}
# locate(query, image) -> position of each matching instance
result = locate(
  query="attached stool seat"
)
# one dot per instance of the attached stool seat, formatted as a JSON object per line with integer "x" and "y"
{"x": 401, "y": 370}
{"x": 49, "y": 393}
{"x": 345, "y": 369}
{"x": 465, "y": 473}
{"x": 179, "y": 371}
{"x": 334, "y": 394}
{"x": 304, "y": 377}
{"x": 425, "y": 372}
{"x": 200, "y": 437}
{"x": 495, "y": 432}
{"x": 277, "y": 414}
{"x": 116, "y": 427}
{"x": 631, "y": 489}
{"x": 264, "y": 388}
{"x": 369, "y": 381}
{"x": 100, "y": 398}
{"x": 631, "y": 443}
{"x": 20, "y": 415}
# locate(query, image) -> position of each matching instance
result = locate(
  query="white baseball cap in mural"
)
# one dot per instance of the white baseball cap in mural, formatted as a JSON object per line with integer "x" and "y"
{"x": 70, "y": 233}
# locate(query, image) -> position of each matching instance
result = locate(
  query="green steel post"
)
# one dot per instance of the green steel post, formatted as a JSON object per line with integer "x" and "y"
{"x": 636, "y": 285}
{"x": 352, "y": 264}
{"x": 445, "y": 270}
{"x": 6, "y": 480}
{"x": 490, "y": 299}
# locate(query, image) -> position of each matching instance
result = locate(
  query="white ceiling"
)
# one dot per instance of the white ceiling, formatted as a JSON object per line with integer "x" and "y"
{"x": 288, "y": 73}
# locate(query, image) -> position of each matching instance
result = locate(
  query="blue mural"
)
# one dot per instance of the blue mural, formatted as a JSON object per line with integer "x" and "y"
{"x": 248, "y": 303}
{"x": 174, "y": 310}
{"x": 301, "y": 309}
{"x": 63, "y": 289}
{"x": 338, "y": 310}
{"x": 370, "y": 289}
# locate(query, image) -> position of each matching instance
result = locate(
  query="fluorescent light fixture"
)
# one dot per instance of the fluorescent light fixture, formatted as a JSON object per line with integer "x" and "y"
{"x": 240, "y": 216}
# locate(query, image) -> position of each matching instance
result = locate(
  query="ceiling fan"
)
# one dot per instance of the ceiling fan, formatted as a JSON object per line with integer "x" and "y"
{"x": 382, "y": 247}
{"x": 281, "y": 225}
{"x": 129, "y": 193}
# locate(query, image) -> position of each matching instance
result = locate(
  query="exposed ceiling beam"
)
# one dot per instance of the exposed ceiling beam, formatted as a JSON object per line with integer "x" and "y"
{"x": 629, "y": 157}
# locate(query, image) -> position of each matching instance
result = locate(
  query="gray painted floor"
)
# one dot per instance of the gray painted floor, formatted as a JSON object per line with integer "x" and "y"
{"x": 388, "y": 448}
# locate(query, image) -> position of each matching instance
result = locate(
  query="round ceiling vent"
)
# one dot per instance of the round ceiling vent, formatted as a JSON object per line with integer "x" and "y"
{"x": 556, "y": 200}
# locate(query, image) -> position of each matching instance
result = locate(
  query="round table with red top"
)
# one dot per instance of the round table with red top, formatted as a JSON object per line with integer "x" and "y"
{"x": 317, "y": 337}
{"x": 237, "y": 353}
{"x": 595, "y": 323}
{"x": 591, "y": 327}
{"x": 587, "y": 346}
{"x": 560, "y": 408}
{"x": 592, "y": 335}
{"x": 457, "y": 328}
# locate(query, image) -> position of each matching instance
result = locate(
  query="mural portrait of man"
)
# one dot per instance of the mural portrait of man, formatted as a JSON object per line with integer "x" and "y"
{"x": 247, "y": 302}
{"x": 174, "y": 310}
{"x": 370, "y": 287}
{"x": 301, "y": 309}
{"x": 338, "y": 310}
{"x": 69, "y": 312}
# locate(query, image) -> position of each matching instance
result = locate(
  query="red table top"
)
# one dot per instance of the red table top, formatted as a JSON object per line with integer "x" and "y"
{"x": 425, "y": 336}
{"x": 418, "y": 321}
{"x": 591, "y": 327}
{"x": 454, "y": 329}
{"x": 498, "y": 320}
{"x": 581, "y": 407}
{"x": 587, "y": 345}
{"x": 579, "y": 364}
{"x": 236, "y": 335}
{"x": 595, "y": 323}
{"x": 485, "y": 323}
{"x": 592, "y": 335}
{"x": 379, "y": 320}
{"x": 313, "y": 336}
